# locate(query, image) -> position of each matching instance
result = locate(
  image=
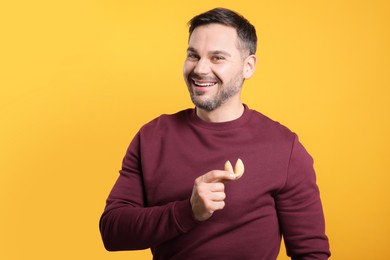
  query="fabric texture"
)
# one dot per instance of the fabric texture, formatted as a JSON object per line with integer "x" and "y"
{"x": 149, "y": 205}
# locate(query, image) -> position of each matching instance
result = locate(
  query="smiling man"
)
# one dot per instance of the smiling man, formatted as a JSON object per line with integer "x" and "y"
{"x": 215, "y": 69}
{"x": 174, "y": 195}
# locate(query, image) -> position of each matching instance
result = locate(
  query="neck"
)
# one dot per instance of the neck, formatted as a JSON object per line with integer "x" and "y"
{"x": 226, "y": 112}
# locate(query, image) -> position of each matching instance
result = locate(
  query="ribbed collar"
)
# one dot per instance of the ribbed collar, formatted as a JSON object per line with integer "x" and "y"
{"x": 220, "y": 126}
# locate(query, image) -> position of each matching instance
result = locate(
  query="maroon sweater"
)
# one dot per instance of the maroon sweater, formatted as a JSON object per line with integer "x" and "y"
{"x": 149, "y": 206}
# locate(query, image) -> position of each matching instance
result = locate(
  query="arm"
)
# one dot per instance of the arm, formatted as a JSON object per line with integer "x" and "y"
{"x": 127, "y": 223}
{"x": 300, "y": 210}
{"x": 133, "y": 228}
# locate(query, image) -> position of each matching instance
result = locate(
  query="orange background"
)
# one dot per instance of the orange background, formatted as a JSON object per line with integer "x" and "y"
{"x": 78, "y": 79}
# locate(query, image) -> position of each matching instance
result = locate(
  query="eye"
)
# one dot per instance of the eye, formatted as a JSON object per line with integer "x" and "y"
{"x": 217, "y": 58}
{"x": 192, "y": 56}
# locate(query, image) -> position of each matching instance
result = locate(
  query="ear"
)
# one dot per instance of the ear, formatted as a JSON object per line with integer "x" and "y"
{"x": 249, "y": 66}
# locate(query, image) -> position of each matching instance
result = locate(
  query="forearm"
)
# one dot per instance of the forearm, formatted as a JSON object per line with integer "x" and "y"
{"x": 303, "y": 231}
{"x": 131, "y": 228}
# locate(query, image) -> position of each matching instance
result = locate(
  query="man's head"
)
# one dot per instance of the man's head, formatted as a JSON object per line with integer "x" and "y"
{"x": 245, "y": 30}
{"x": 220, "y": 56}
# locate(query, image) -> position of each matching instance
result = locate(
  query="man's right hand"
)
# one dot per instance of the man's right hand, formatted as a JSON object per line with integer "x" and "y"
{"x": 208, "y": 193}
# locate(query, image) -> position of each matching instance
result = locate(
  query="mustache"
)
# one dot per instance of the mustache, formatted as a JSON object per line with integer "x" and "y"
{"x": 194, "y": 76}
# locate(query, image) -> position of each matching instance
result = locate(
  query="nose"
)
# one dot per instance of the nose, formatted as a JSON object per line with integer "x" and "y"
{"x": 202, "y": 67}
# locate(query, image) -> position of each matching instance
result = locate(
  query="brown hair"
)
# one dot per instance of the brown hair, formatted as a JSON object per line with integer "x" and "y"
{"x": 245, "y": 30}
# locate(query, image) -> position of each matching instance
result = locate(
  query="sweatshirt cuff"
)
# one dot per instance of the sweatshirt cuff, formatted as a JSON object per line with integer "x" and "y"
{"x": 183, "y": 215}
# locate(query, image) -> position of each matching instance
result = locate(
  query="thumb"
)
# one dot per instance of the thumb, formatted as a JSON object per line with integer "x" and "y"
{"x": 218, "y": 176}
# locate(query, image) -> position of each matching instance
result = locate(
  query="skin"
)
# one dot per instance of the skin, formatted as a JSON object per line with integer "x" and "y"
{"x": 215, "y": 61}
{"x": 208, "y": 193}
{"x": 214, "y": 71}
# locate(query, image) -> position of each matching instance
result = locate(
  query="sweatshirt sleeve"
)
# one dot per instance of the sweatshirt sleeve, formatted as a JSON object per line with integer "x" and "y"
{"x": 300, "y": 210}
{"x": 127, "y": 223}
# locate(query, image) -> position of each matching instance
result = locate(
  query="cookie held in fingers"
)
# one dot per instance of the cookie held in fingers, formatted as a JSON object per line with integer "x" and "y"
{"x": 238, "y": 168}
{"x": 228, "y": 166}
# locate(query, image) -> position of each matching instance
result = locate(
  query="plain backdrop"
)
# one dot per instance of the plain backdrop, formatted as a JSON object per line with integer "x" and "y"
{"x": 78, "y": 78}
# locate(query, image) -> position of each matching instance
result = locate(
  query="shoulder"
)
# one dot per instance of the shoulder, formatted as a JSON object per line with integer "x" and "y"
{"x": 166, "y": 121}
{"x": 270, "y": 128}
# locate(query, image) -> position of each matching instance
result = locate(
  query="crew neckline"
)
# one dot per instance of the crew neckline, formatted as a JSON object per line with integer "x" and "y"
{"x": 194, "y": 119}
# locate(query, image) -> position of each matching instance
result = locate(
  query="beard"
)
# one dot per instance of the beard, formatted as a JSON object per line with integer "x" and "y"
{"x": 225, "y": 91}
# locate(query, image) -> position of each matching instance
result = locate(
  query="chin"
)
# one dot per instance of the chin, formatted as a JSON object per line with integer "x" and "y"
{"x": 208, "y": 105}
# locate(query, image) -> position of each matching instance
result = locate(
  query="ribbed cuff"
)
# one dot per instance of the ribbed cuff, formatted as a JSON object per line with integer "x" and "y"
{"x": 183, "y": 215}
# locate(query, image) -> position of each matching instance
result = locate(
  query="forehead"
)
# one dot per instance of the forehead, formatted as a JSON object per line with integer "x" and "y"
{"x": 214, "y": 37}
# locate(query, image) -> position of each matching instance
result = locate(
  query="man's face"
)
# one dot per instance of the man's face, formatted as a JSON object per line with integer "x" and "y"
{"x": 213, "y": 69}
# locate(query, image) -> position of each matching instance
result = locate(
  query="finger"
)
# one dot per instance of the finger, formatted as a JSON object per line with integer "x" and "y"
{"x": 218, "y": 205}
{"x": 216, "y": 186}
{"x": 218, "y": 196}
{"x": 210, "y": 191}
{"x": 213, "y": 206}
{"x": 218, "y": 176}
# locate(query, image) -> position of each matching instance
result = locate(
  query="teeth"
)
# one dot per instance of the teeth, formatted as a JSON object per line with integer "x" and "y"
{"x": 207, "y": 84}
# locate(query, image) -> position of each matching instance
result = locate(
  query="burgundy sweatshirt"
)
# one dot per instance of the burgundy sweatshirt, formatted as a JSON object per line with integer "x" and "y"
{"x": 149, "y": 205}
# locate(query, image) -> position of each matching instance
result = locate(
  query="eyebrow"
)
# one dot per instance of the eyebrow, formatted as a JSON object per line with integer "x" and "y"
{"x": 216, "y": 52}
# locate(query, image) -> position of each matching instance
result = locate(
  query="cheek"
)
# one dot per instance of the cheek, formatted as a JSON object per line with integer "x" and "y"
{"x": 230, "y": 72}
{"x": 187, "y": 68}
{"x": 223, "y": 73}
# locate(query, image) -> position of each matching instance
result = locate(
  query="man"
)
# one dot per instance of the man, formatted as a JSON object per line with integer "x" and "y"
{"x": 173, "y": 195}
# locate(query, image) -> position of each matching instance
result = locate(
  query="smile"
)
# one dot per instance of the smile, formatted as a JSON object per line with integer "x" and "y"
{"x": 203, "y": 84}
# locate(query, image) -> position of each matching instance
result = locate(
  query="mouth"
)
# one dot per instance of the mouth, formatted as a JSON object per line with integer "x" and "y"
{"x": 203, "y": 83}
